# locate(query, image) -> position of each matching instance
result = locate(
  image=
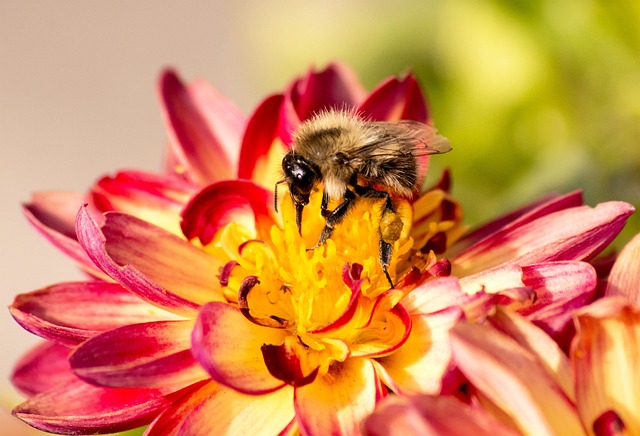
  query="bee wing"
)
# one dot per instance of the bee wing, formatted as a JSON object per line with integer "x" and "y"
{"x": 400, "y": 140}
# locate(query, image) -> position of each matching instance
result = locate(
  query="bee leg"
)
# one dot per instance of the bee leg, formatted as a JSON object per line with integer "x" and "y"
{"x": 390, "y": 228}
{"x": 334, "y": 217}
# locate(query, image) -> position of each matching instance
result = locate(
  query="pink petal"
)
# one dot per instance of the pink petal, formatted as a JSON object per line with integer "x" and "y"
{"x": 78, "y": 407}
{"x": 217, "y": 205}
{"x": 75, "y": 311}
{"x": 131, "y": 241}
{"x": 577, "y": 233}
{"x": 514, "y": 380}
{"x": 338, "y": 402}
{"x": 55, "y": 230}
{"x": 259, "y": 136}
{"x": 520, "y": 217}
{"x": 56, "y": 210}
{"x": 396, "y": 99}
{"x": 421, "y": 363}
{"x": 43, "y": 368}
{"x": 204, "y": 128}
{"x": 215, "y": 410}
{"x": 624, "y": 278}
{"x": 431, "y": 416}
{"x": 155, "y": 198}
{"x": 561, "y": 288}
{"x": 149, "y": 355}
{"x": 537, "y": 342}
{"x": 228, "y": 346}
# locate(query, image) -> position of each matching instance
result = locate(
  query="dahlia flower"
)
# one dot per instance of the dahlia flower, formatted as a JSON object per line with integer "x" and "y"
{"x": 518, "y": 381}
{"x": 206, "y": 312}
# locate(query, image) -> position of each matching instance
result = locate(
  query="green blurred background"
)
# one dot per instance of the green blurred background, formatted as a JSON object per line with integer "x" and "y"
{"x": 535, "y": 96}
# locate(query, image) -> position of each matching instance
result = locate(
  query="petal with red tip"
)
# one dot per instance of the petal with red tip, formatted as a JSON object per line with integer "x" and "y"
{"x": 228, "y": 346}
{"x": 155, "y": 198}
{"x": 42, "y": 368}
{"x": 421, "y": 363}
{"x": 514, "y": 380}
{"x": 396, "y": 99}
{"x": 605, "y": 355}
{"x": 178, "y": 277}
{"x": 221, "y": 203}
{"x": 519, "y": 217}
{"x": 431, "y": 416}
{"x": 74, "y": 311}
{"x": 577, "y": 233}
{"x": 338, "y": 402}
{"x": 213, "y": 409}
{"x": 149, "y": 355}
{"x": 624, "y": 278}
{"x": 204, "y": 128}
{"x": 259, "y": 140}
{"x": 78, "y": 407}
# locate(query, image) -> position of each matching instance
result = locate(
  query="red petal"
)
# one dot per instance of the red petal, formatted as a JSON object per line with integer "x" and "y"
{"x": 259, "y": 136}
{"x": 204, "y": 128}
{"x": 149, "y": 355}
{"x": 73, "y": 312}
{"x": 217, "y": 205}
{"x": 228, "y": 346}
{"x": 78, "y": 407}
{"x": 338, "y": 402}
{"x": 43, "y": 368}
{"x": 94, "y": 242}
{"x": 396, "y": 99}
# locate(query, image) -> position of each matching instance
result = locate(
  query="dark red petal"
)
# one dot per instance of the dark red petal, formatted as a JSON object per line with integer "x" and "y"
{"x": 396, "y": 99}
{"x": 284, "y": 364}
{"x": 229, "y": 201}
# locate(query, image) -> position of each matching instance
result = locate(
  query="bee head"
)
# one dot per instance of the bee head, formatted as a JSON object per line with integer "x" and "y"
{"x": 301, "y": 177}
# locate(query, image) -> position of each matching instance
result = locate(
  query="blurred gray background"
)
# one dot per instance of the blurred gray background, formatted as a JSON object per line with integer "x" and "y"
{"x": 535, "y": 96}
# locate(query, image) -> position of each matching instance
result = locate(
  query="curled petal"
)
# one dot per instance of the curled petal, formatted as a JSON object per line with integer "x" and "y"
{"x": 421, "y": 363}
{"x": 43, "y": 368}
{"x": 204, "y": 128}
{"x": 155, "y": 198}
{"x": 213, "y": 409}
{"x": 75, "y": 311}
{"x": 78, "y": 407}
{"x": 339, "y": 401}
{"x": 431, "y": 416}
{"x": 217, "y": 205}
{"x": 514, "y": 380}
{"x": 624, "y": 278}
{"x": 229, "y": 348}
{"x": 283, "y": 362}
{"x": 387, "y": 331}
{"x": 605, "y": 356}
{"x": 149, "y": 355}
{"x": 577, "y": 233}
{"x": 396, "y": 99}
{"x": 121, "y": 248}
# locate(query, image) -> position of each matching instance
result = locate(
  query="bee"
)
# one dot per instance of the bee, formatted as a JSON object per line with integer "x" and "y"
{"x": 356, "y": 158}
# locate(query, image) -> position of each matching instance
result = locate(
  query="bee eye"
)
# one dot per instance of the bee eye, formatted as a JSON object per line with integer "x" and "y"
{"x": 301, "y": 174}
